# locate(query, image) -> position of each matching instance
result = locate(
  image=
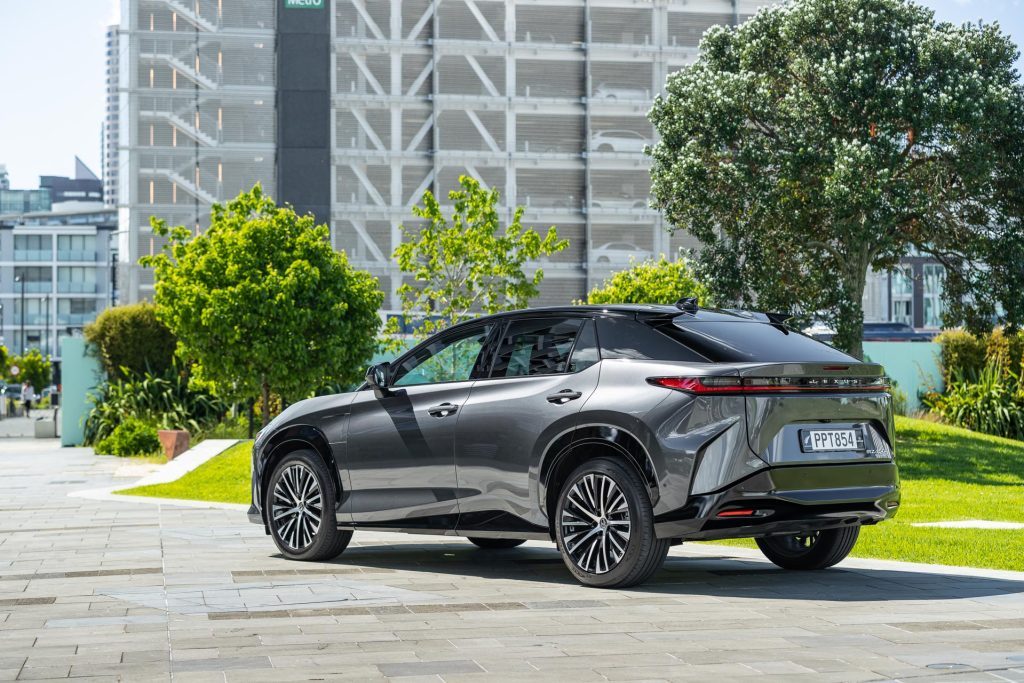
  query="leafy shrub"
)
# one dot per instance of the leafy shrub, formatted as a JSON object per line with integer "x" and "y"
{"x": 130, "y": 340}
{"x": 166, "y": 402}
{"x": 965, "y": 355}
{"x": 131, "y": 437}
{"x": 650, "y": 282}
{"x": 993, "y": 403}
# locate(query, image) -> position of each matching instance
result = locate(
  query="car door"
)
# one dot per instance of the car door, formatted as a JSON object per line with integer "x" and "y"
{"x": 543, "y": 371}
{"x": 400, "y": 453}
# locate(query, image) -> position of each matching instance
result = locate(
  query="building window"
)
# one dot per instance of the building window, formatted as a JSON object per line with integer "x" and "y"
{"x": 933, "y": 277}
{"x": 903, "y": 295}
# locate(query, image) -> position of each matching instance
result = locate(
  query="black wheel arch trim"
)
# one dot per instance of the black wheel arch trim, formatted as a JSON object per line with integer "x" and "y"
{"x": 290, "y": 439}
{"x": 613, "y": 437}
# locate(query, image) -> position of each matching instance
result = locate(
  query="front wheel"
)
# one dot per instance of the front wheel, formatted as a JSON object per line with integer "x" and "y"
{"x": 300, "y": 509}
{"x": 604, "y": 526}
{"x": 810, "y": 550}
{"x": 496, "y": 543}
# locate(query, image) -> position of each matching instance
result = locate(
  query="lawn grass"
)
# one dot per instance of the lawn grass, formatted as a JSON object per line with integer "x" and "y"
{"x": 947, "y": 474}
{"x": 224, "y": 478}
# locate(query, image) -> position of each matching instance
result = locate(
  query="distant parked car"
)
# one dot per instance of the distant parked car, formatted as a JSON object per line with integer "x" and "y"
{"x": 610, "y": 91}
{"x": 618, "y": 254}
{"x": 895, "y": 332}
{"x": 622, "y": 204}
{"x": 618, "y": 141}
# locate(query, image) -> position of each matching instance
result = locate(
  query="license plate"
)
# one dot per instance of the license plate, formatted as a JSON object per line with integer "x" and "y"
{"x": 816, "y": 440}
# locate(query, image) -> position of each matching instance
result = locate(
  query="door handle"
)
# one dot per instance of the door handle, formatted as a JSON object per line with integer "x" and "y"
{"x": 564, "y": 396}
{"x": 443, "y": 410}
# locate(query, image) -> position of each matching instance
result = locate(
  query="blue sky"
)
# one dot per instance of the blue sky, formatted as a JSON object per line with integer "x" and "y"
{"x": 52, "y": 77}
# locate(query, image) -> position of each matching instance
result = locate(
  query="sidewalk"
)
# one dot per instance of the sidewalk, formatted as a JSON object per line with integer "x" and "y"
{"x": 23, "y": 427}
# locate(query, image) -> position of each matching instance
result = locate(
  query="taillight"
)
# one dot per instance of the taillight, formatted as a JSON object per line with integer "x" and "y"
{"x": 771, "y": 385}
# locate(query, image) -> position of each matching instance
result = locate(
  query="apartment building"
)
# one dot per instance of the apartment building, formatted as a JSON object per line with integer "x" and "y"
{"x": 351, "y": 109}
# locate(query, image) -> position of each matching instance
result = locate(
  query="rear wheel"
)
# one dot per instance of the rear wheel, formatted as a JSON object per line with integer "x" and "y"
{"x": 300, "y": 509}
{"x": 496, "y": 543}
{"x": 604, "y": 526}
{"x": 811, "y": 550}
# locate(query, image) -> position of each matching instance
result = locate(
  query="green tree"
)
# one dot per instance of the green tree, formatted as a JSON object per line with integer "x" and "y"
{"x": 650, "y": 282}
{"x": 822, "y": 138}
{"x": 33, "y": 368}
{"x": 262, "y": 303}
{"x": 131, "y": 340}
{"x": 465, "y": 265}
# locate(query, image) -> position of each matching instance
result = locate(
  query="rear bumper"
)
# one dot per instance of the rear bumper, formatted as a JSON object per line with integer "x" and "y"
{"x": 789, "y": 500}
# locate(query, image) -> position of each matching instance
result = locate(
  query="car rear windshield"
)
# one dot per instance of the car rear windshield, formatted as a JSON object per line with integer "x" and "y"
{"x": 745, "y": 341}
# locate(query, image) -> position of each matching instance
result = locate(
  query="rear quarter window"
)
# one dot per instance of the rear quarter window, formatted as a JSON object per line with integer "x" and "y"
{"x": 627, "y": 338}
{"x": 743, "y": 341}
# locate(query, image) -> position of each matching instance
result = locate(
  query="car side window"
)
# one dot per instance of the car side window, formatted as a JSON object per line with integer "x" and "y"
{"x": 536, "y": 346}
{"x": 628, "y": 338}
{"x": 586, "y": 352}
{"x": 447, "y": 359}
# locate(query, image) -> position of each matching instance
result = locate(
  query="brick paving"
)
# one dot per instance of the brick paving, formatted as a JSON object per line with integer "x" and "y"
{"x": 132, "y": 591}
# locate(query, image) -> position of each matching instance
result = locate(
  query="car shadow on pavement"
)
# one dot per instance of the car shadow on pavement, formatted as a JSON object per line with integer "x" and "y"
{"x": 708, "y": 575}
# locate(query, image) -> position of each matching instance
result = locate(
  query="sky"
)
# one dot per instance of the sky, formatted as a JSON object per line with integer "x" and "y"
{"x": 52, "y": 62}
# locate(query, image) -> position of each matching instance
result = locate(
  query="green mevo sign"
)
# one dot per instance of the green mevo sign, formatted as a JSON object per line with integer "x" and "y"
{"x": 303, "y": 4}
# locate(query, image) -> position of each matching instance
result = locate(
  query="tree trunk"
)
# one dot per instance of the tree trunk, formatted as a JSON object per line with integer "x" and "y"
{"x": 252, "y": 416}
{"x": 265, "y": 395}
{"x": 850, "y": 323}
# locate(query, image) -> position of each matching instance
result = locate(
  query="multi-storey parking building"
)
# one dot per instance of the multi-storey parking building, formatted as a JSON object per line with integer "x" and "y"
{"x": 352, "y": 108}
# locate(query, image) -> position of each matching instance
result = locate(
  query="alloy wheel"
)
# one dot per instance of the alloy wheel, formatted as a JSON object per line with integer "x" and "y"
{"x": 595, "y": 523}
{"x": 298, "y": 506}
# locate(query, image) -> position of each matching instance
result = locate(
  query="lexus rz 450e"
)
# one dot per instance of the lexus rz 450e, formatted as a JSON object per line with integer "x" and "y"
{"x": 614, "y": 431}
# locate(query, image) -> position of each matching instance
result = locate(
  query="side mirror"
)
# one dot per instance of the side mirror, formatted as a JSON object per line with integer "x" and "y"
{"x": 377, "y": 379}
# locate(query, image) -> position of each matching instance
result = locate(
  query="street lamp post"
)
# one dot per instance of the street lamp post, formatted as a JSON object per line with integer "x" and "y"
{"x": 21, "y": 280}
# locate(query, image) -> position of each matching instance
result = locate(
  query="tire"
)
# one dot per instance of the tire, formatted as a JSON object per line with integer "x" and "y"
{"x": 300, "y": 535}
{"x": 496, "y": 543}
{"x": 625, "y": 551}
{"x": 817, "y": 550}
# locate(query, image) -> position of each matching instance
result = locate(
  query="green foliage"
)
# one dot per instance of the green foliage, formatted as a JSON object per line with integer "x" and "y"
{"x": 824, "y": 137}
{"x": 32, "y": 368}
{"x": 993, "y": 403}
{"x": 899, "y": 399}
{"x": 262, "y": 303}
{"x": 651, "y": 282}
{"x": 131, "y": 340}
{"x": 464, "y": 265}
{"x": 965, "y": 355}
{"x": 131, "y": 437}
{"x": 5, "y": 361}
{"x": 166, "y": 402}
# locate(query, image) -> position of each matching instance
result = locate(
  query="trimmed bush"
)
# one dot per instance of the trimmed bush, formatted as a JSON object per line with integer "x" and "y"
{"x": 131, "y": 437}
{"x": 131, "y": 341}
{"x": 964, "y": 355}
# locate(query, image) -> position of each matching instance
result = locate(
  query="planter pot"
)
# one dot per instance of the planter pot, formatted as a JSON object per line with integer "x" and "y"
{"x": 174, "y": 442}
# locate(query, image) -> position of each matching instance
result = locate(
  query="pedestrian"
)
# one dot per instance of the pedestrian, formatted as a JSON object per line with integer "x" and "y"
{"x": 28, "y": 394}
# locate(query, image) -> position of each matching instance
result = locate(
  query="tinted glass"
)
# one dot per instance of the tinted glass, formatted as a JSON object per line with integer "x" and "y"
{"x": 585, "y": 353}
{"x": 627, "y": 338}
{"x": 732, "y": 342}
{"x": 448, "y": 359}
{"x": 538, "y": 346}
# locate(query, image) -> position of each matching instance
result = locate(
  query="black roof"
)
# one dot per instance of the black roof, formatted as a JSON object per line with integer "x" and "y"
{"x": 636, "y": 310}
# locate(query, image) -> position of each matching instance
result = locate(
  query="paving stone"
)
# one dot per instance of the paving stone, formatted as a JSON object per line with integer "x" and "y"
{"x": 137, "y": 591}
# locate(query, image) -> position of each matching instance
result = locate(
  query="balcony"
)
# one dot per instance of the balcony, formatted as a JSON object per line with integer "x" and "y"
{"x": 76, "y": 287}
{"x": 33, "y": 255}
{"x": 75, "y": 318}
{"x": 76, "y": 255}
{"x": 44, "y": 287}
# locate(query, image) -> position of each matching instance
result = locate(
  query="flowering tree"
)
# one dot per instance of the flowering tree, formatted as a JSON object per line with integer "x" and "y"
{"x": 825, "y": 137}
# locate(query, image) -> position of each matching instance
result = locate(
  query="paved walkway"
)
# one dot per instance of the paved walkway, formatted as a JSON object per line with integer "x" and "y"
{"x": 18, "y": 426}
{"x": 139, "y": 592}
